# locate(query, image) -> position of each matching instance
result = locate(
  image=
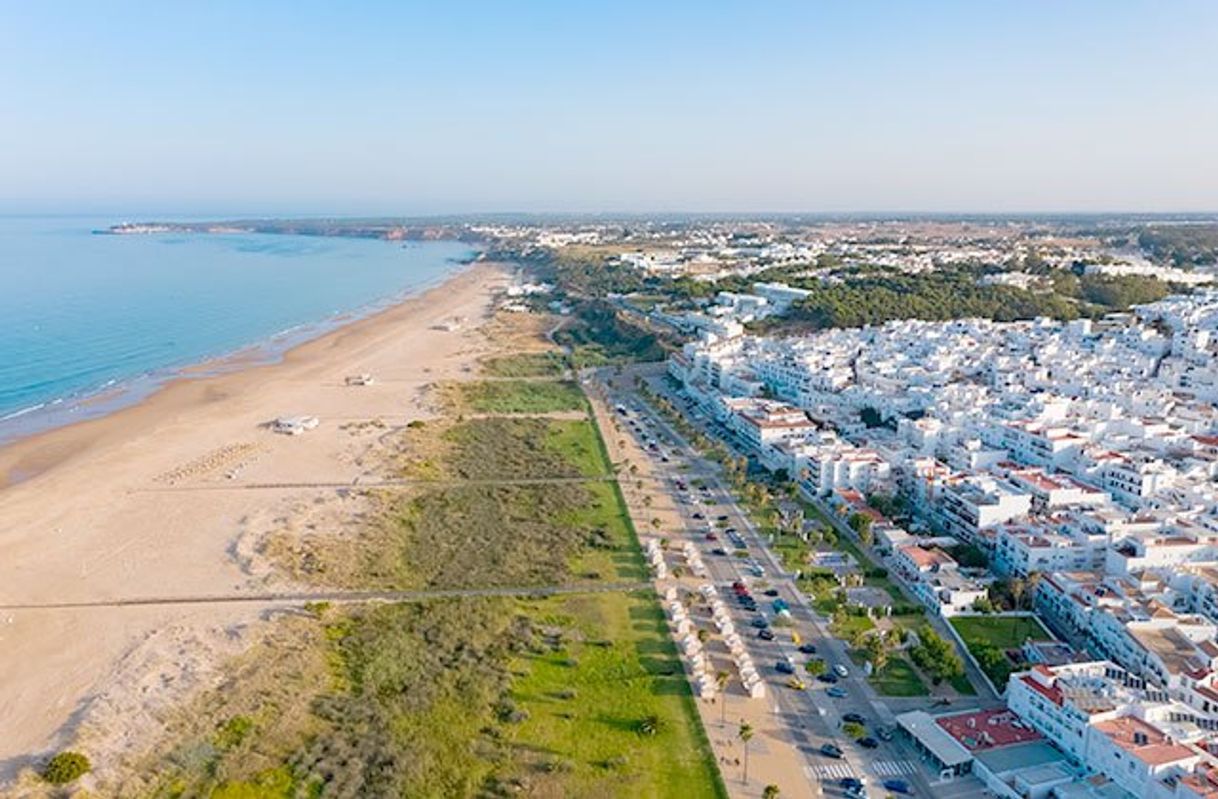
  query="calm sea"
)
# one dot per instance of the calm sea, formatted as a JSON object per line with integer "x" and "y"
{"x": 105, "y": 319}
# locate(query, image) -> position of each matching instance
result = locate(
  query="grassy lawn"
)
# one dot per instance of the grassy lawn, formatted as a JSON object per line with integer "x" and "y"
{"x": 898, "y": 678}
{"x": 1004, "y": 632}
{"x": 988, "y": 638}
{"x": 587, "y": 698}
{"x": 521, "y": 396}
{"x": 617, "y": 557}
{"x": 503, "y": 447}
{"x": 526, "y": 364}
{"x": 849, "y": 625}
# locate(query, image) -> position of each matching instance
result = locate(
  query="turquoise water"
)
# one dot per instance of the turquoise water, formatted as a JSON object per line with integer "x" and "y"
{"x": 82, "y": 314}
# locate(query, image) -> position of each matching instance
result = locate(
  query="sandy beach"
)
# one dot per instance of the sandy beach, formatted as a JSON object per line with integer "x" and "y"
{"x": 153, "y": 501}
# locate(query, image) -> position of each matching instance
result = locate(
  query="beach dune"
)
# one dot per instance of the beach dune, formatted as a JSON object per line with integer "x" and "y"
{"x": 149, "y": 502}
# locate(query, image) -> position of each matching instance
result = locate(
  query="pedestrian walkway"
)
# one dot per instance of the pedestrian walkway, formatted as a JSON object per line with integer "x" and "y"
{"x": 831, "y": 771}
{"x": 893, "y": 768}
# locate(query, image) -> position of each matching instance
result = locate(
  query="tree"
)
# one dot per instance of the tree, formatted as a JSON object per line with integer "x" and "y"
{"x": 66, "y": 767}
{"x": 1019, "y": 590}
{"x": 816, "y": 667}
{"x": 876, "y": 648}
{"x": 721, "y": 678}
{"x": 746, "y": 735}
{"x": 860, "y": 523}
{"x": 770, "y": 792}
{"x": 853, "y": 729}
{"x": 983, "y": 605}
{"x": 935, "y": 655}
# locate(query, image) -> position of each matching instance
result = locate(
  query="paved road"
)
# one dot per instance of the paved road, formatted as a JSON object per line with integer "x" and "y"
{"x": 338, "y": 597}
{"x": 811, "y": 717}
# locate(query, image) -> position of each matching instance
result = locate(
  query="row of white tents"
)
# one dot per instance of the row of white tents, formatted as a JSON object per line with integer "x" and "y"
{"x": 694, "y": 560}
{"x": 655, "y": 556}
{"x": 740, "y": 656}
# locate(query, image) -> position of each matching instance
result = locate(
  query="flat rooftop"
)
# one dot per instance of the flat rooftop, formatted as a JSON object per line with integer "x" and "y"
{"x": 987, "y": 729}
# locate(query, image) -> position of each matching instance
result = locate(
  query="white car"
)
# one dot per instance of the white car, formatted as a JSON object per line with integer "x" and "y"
{"x": 841, "y": 671}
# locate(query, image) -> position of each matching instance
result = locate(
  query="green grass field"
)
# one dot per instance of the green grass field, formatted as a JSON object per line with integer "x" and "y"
{"x": 587, "y": 700}
{"x": 989, "y": 637}
{"x": 1004, "y": 632}
{"x": 521, "y": 396}
{"x": 898, "y": 678}
{"x": 527, "y": 364}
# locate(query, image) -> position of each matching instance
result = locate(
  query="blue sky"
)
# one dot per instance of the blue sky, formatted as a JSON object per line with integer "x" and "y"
{"x": 399, "y": 107}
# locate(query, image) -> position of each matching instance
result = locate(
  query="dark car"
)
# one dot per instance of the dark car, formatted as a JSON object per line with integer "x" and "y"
{"x": 853, "y": 718}
{"x": 884, "y": 733}
{"x": 851, "y": 783}
{"x": 784, "y": 667}
{"x": 711, "y": 536}
{"x": 765, "y": 634}
{"x": 868, "y": 742}
{"x": 719, "y": 551}
{"x": 828, "y": 677}
{"x": 723, "y": 518}
{"x": 807, "y": 648}
{"x": 897, "y": 786}
{"x": 760, "y": 622}
{"x": 697, "y": 516}
{"x": 771, "y": 592}
{"x": 829, "y": 750}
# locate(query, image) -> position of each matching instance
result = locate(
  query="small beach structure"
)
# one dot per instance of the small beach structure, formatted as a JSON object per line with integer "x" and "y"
{"x": 294, "y": 425}
{"x": 364, "y": 379}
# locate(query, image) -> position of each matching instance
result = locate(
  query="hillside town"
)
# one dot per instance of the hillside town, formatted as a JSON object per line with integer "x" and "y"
{"x": 1077, "y": 459}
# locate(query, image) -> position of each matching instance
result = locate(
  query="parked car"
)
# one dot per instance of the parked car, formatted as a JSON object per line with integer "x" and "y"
{"x": 828, "y": 677}
{"x": 760, "y": 621}
{"x": 829, "y": 750}
{"x": 720, "y": 551}
{"x": 885, "y": 733}
{"x": 807, "y": 648}
{"x": 771, "y": 592}
{"x": 841, "y": 671}
{"x": 853, "y": 718}
{"x": 784, "y": 667}
{"x": 796, "y": 684}
{"x": 698, "y": 516}
{"x": 765, "y": 634}
{"x": 836, "y": 691}
{"x": 868, "y": 742}
{"x": 852, "y": 784}
{"x": 711, "y": 536}
{"x": 897, "y": 786}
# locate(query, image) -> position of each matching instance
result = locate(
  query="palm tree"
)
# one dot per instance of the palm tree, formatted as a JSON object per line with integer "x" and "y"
{"x": 721, "y": 678}
{"x": 770, "y": 792}
{"x": 746, "y": 735}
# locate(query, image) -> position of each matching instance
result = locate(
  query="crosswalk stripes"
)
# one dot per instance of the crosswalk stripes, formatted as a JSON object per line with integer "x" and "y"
{"x": 833, "y": 771}
{"x": 893, "y": 768}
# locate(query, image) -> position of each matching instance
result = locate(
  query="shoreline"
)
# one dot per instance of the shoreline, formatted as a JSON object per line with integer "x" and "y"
{"x": 26, "y": 455}
{"x": 117, "y": 394}
{"x": 169, "y": 497}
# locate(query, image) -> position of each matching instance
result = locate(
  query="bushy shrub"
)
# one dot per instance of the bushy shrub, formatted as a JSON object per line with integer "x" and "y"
{"x": 66, "y": 767}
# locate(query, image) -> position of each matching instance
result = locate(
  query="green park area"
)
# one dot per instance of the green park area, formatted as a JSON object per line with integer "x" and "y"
{"x": 520, "y": 396}
{"x": 989, "y": 638}
{"x": 579, "y": 694}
